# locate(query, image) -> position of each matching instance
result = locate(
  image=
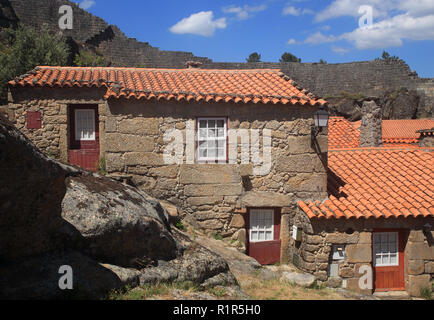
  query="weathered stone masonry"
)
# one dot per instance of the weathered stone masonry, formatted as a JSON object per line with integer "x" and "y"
{"x": 313, "y": 253}
{"x": 210, "y": 195}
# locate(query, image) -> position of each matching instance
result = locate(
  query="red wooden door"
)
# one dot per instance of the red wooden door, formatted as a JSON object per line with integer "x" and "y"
{"x": 388, "y": 259}
{"x": 84, "y": 136}
{"x": 263, "y": 230}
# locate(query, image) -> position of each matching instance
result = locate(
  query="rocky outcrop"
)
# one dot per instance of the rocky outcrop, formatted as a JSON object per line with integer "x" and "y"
{"x": 198, "y": 265}
{"x": 395, "y": 104}
{"x": 116, "y": 223}
{"x": 111, "y": 234}
{"x": 401, "y": 104}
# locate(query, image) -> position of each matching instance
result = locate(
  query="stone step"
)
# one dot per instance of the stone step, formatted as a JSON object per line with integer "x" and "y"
{"x": 392, "y": 295}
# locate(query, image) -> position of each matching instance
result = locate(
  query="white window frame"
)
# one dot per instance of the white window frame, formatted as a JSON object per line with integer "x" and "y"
{"x": 377, "y": 240}
{"x": 224, "y": 138}
{"x": 77, "y": 132}
{"x": 258, "y": 229}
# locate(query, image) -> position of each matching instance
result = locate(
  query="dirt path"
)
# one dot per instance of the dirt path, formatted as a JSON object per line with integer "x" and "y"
{"x": 263, "y": 283}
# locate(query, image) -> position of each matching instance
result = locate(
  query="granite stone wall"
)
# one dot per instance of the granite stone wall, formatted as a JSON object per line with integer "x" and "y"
{"x": 212, "y": 196}
{"x": 313, "y": 253}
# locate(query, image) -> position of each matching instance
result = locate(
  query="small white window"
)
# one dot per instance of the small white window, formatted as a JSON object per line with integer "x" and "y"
{"x": 84, "y": 125}
{"x": 261, "y": 225}
{"x": 385, "y": 249}
{"x": 211, "y": 139}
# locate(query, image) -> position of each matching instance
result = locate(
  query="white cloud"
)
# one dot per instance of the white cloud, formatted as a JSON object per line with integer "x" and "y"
{"x": 291, "y": 41}
{"x": 340, "y": 50}
{"x": 394, "y": 22}
{"x": 391, "y": 32}
{"x": 244, "y": 12}
{"x": 293, "y": 11}
{"x": 381, "y": 8}
{"x": 201, "y": 23}
{"x": 87, "y": 4}
{"x": 318, "y": 38}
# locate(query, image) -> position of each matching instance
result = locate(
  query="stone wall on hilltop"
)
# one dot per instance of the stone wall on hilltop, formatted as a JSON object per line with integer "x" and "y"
{"x": 94, "y": 31}
{"x": 366, "y": 78}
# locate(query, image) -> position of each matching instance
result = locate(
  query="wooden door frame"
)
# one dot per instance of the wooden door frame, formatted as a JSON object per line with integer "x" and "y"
{"x": 72, "y": 143}
{"x": 276, "y": 228}
{"x": 77, "y": 148}
{"x": 401, "y": 257}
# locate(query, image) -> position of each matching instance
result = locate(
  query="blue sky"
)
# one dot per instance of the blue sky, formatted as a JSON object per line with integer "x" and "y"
{"x": 332, "y": 30}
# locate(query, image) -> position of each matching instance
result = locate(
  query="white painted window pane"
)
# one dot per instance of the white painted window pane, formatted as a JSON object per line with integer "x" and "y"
{"x": 203, "y": 153}
{"x": 377, "y": 259}
{"x": 254, "y": 235}
{"x": 211, "y": 153}
{"x": 386, "y": 248}
{"x": 261, "y": 221}
{"x": 202, "y": 134}
{"x": 212, "y": 131}
{"x": 84, "y": 125}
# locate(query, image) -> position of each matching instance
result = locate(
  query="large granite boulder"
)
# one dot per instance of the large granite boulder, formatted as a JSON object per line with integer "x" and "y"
{"x": 400, "y": 104}
{"x": 110, "y": 234}
{"x": 116, "y": 223}
{"x": 48, "y": 206}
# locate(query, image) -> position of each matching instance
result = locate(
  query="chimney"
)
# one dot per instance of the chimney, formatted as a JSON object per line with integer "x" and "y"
{"x": 371, "y": 130}
{"x": 193, "y": 64}
{"x": 426, "y": 138}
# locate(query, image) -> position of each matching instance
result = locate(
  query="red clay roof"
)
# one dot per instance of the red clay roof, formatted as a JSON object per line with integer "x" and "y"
{"x": 239, "y": 86}
{"x": 404, "y": 131}
{"x": 342, "y": 134}
{"x": 377, "y": 182}
{"x": 399, "y": 133}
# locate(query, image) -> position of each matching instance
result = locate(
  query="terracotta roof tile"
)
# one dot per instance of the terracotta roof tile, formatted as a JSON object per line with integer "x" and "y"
{"x": 342, "y": 134}
{"x": 396, "y": 182}
{"x": 239, "y": 86}
{"x": 396, "y": 133}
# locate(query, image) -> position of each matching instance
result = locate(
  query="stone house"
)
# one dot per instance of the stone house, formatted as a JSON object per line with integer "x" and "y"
{"x": 330, "y": 211}
{"x": 125, "y": 120}
{"x": 376, "y": 227}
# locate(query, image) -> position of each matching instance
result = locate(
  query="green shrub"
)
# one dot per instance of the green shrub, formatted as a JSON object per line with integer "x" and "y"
{"x": 217, "y": 236}
{"x": 426, "y": 293}
{"x": 180, "y": 226}
{"x": 102, "y": 166}
{"x": 88, "y": 58}
{"x": 23, "y": 49}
